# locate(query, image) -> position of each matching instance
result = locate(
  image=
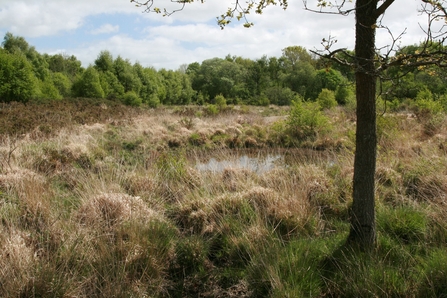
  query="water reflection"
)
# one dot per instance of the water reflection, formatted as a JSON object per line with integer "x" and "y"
{"x": 258, "y": 161}
{"x": 257, "y": 164}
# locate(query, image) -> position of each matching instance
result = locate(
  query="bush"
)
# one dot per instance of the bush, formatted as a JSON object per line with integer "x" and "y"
{"x": 220, "y": 101}
{"x": 211, "y": 110}
{"x": 326, "y": 99}
{"x": 343, "y": 94}
{"x": 306, "y": 120}
{"x": 132, "y": 99}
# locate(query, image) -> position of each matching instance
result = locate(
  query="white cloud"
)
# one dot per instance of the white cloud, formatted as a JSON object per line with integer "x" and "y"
{"x": 106, "y": 28}
{"x": 192, "y": 34}
{"x": 32, "y": 18}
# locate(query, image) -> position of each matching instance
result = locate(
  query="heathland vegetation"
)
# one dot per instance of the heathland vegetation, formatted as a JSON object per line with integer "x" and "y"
{"x": 101, "y": 196}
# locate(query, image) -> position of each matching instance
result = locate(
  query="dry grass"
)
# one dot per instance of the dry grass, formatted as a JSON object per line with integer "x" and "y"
{"x": 117, "y": 207}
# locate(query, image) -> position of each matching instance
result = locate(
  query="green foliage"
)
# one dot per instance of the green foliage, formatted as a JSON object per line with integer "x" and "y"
{"x": 62, "y": 84}
{"x": 68, "y": 65}
{"x": 261, "y": 100}
{"x": 132, "y": 99}
{"x": 426, "y": 105}
{"x": 88, "y": 84}
{"x": 424, "y": 95}
{"x": 104, "y": 62}
{"x": 326, "y": 99}
{"x": 211, "y": 110}
{"x": 110, "y": 84}
{"x": 47, "y": 90}
{"x": 344, "y": 94}
{"x": 220, "y": 76}
{"x": 126, "y": 75}
{"x": 153, "y": 89}
{"x": 328, "y": 78}
{"x": 281, "y": 96}
{"x": 220, "y": 101}
{"x": 300, "y": 77}
{"x": 177, "y": 87}
{"x": 294, "y": 55}
{"x": 306, "y": 120}
{"x": 17, "y": 82}
{"x": 429, "y": 112}
{"x": 15, "y": 44}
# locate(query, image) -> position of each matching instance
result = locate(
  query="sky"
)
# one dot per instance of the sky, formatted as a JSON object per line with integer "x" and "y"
{"x": 84, "y": 28}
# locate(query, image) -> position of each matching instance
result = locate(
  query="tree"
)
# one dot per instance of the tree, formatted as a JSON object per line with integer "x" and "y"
{"x": 177, "y": 86}
{"x": 368, "y": 65}
{"x": 296, "y": 55}
{"x": 110, "y": 85}
{"x": 62, "y": 83}
{"x": 151, "y": 83}
{"x": 219, "y": 76}
{"x": 104, "y": 62}
{"x": 126, "y": 76}
{"x": 15, "y": 44}
{"x": 17, "y": 82}
{"x": 68, "y": 65}
{"x": 88, "y": 84}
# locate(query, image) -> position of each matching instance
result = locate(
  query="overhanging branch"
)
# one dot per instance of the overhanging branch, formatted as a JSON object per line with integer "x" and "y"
{"x": 382, "y": 8}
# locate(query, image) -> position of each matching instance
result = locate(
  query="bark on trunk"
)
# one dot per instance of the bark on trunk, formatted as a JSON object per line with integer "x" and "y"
{"x": 363, "y": 231}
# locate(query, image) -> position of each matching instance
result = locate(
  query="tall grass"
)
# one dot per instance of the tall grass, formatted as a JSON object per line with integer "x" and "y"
{"x": 115, "y": 207}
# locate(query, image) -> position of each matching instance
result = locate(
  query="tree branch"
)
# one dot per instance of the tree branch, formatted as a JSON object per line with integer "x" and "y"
{"x": 238, "y": 10}
{"x": 381, "y": 10}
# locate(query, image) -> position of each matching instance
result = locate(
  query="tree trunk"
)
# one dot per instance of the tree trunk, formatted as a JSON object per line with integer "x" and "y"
{"x": 363, "y": 231}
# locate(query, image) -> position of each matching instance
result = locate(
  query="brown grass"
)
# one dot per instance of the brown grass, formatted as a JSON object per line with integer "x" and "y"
{"x": 103, "y": 206}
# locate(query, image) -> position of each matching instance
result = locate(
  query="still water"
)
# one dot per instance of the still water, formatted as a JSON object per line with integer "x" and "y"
{"x": 255, "y": 164}
{"x": 258, "y": 161}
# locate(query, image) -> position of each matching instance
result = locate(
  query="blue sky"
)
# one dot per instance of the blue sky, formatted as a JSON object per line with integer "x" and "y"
{"x": 85, "y": 27}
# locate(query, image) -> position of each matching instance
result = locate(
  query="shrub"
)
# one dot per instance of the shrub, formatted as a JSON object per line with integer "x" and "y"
{"x": 326, "y": 99}
{"x": 306, "y": 120}
{"x": 429, "y": 112}
{"x": 220, "y": 101}
{"x": 132, "y": 99}
{"x": 343, "y": 94}
{"x": 211, "y": 110}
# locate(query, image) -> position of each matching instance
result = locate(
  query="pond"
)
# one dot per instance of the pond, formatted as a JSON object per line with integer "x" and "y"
{"x": 258, "y": 161}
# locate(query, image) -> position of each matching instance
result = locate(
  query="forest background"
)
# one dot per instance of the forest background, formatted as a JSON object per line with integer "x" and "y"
{"x": 26, "y": 74}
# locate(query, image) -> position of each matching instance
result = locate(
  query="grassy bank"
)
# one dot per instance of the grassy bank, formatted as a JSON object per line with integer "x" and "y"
{"x": 98, "y": 200}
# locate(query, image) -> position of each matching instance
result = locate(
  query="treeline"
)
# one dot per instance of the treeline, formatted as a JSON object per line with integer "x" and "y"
{"x": 27, "y": 75}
